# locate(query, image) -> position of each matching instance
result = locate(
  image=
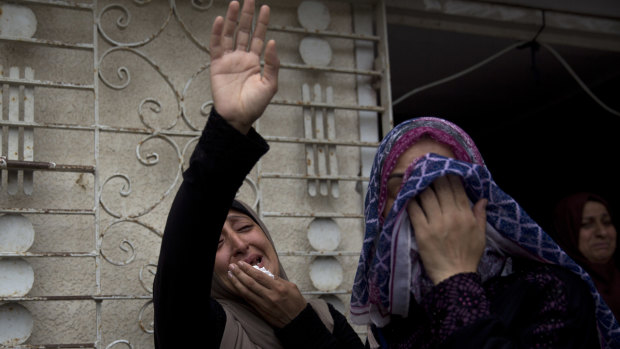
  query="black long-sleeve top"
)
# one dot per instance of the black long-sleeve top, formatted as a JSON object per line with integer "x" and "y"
{"x": 181, "y": 294}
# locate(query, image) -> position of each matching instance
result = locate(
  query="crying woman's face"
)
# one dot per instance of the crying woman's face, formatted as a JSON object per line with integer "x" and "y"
{"x": 242, "y": 239}
{"x": 395, "y": 179}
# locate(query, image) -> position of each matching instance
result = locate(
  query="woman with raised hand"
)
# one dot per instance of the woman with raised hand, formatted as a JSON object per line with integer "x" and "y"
{"x": 451, "y": 261}
{"x": 211, "y": 239}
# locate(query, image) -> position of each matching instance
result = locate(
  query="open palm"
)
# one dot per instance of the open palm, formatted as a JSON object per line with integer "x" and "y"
{"x": 240, "y": 92}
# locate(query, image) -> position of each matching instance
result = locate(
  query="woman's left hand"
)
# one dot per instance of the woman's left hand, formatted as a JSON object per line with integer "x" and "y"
{"x": 449, "y": 232}
{"x": 278, "y": 301}
{"x": 241, "y": 89}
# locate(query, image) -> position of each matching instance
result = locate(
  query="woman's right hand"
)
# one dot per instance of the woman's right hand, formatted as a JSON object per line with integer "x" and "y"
{"x": 450, "y": 233}
{"x": 277, "y": 300}
{"x": 240, "y": 92}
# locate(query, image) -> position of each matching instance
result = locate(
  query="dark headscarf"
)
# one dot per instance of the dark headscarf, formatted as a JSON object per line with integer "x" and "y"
{"x": 567, "y": 220}
{"x": 245, "y": 328}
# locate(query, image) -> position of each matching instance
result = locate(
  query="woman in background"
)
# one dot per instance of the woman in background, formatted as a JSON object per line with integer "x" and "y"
{"x": 586, "y": 231}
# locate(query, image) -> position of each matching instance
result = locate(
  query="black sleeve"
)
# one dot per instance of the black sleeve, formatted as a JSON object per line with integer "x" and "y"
{"x": 307, "y": 331}
{"x": 551, "y": 308}
{"x": 343, "y": 330}
{"x": 221, "y": 160}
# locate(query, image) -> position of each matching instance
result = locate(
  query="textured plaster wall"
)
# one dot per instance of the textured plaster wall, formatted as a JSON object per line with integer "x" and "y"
{"x": 104, "y": 127}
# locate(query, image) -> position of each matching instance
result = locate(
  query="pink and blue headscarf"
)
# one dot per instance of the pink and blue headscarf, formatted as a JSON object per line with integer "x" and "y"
{"x": 389, "y": 270}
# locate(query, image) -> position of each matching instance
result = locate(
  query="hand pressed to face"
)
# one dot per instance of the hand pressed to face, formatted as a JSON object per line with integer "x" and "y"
{"x": 244, "y": 244}
{"x": 276, "y": 300}
{"x": 240, "y": 93}
{"x": 450, "y": 234}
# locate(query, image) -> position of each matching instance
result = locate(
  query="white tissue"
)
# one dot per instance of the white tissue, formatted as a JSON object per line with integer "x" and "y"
{"x": 263, "y": 270}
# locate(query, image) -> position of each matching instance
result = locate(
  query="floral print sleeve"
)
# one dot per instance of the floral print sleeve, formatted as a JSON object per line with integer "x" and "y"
{"x": 539, "y": 307}
{"x": 454, "y": 304}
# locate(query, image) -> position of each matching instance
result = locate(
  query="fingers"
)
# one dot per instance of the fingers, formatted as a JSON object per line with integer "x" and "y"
{"x": 258, "y": 39}
{"x": 245, "y": 25}
{"x": 480, "y": 212}
{"x": 272, "y": 64}
{"x": 230, "y": 23}
{"x": 444, "y": 193}
{"x": 256, "y": 274}
{"x": 223, "y": 34}
{"x": 430, "y": 205}
{"x": 215, "y": 42}
{"x": 449, "y": 232}
{"x": 247, "y": 285}
{"x": 450, "y": 194}
{"x": 444, "y": 203}
{"x": 252, "y": 278}
{"x": 417, "y": 217}
{"x": 460, "y": 196}
{"x": 223, "y": 30}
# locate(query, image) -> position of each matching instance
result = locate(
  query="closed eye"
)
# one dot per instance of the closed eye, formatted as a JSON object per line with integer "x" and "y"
{"x": 587, "y": 224}
{"x": 393, "y": 185}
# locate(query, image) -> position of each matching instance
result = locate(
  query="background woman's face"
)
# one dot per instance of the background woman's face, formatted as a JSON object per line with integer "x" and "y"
{"x": 597, "y": 235}
{"x": 243, "y": 239}
{"x": 414, "y": 152}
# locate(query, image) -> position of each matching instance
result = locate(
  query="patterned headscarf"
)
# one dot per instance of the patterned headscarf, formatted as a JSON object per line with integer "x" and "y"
{"x": 389, "y": 268}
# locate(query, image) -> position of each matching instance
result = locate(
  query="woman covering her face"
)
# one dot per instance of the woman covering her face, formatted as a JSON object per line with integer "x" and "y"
{"x": 208, "y": 291}
{"x": 585, "y": 230}
{"x": 449, "y": 260}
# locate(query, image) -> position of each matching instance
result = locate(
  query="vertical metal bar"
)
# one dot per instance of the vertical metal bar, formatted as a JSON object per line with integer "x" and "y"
{"x": 259, "y": 196}
{"x": 309, "y": 134}
{"x": 366, "y": 95}
{"x": 98, "y": 323}
{"x": 1, "y": 118}
{"x": 28, "y": 146}
{"x": 13, "y": 137}
{"x": 387, "y": 120}
{"x": 319, "y": 129}
{"x": 97, "y": 210}
{"x": 331, "y": 135}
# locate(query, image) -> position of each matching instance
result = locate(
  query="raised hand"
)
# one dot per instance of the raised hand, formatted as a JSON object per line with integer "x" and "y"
{"x": 240, "y": 92}
{"x": 449, "y": 232}
{"x": 276, "y": 300}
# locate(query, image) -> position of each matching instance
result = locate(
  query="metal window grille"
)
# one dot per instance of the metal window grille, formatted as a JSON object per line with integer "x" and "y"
{"x": 101, "y": 109}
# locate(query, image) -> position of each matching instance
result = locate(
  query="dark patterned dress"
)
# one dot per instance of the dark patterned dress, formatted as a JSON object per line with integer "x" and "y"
{"x": 538, "y": 306}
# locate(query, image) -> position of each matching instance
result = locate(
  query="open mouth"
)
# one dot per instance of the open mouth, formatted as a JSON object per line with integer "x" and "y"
{"x": 256, "y": 260}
